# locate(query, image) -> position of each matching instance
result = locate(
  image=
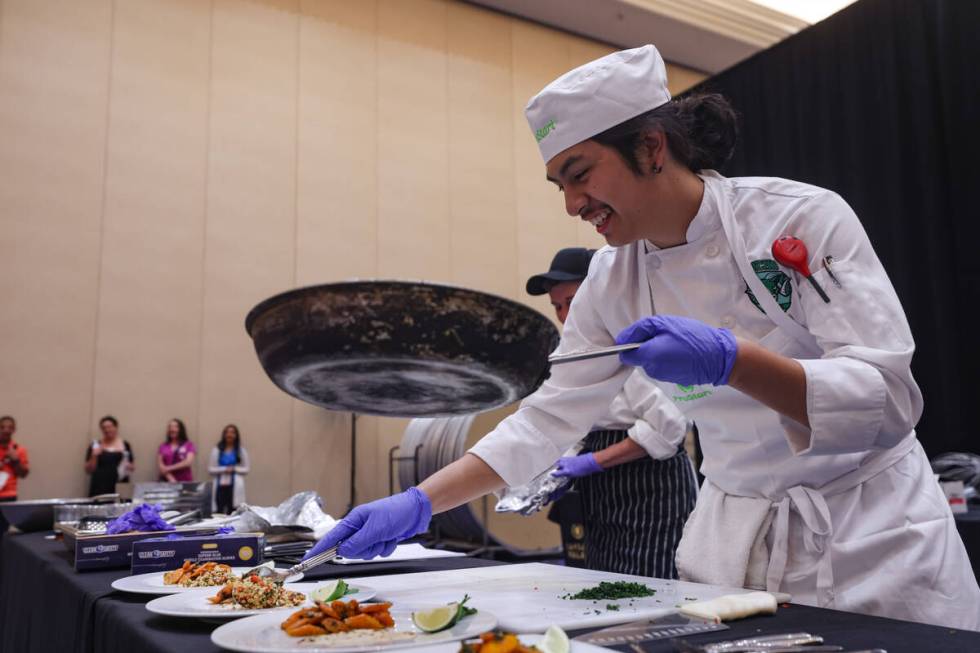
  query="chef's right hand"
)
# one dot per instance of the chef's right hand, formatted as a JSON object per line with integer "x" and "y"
{"x": 375, "y": 528}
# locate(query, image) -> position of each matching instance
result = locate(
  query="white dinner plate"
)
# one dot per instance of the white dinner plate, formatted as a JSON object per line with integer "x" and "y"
{"x": 152, "y": 583}
{"x": 263, "y": 634}
{"x": 194, "y": 603}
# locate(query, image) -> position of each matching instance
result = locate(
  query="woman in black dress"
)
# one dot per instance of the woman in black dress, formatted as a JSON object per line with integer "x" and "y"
{"x": 109, "y": 460}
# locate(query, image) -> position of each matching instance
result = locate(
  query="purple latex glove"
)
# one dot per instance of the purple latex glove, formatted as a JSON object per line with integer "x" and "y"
{"x": 680, "y": 350}
{"x": 577, "y": 466}
{"x": 144, "y": 518}
{"x": 375, "y": 528}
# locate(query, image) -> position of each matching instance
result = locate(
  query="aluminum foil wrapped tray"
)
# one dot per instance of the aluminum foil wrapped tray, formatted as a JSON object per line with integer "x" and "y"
{"x": 301, "y": 509}
{"x": 530, "y": 498}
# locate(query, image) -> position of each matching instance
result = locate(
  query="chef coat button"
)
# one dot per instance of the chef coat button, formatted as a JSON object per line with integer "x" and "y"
{"x": 728, "y": 321}
{"x": 655, "y": 262}
{"x": 711, "y": 251}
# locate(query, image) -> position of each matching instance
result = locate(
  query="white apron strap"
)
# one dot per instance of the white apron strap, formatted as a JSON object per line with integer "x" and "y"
{"x": 715, "y": 185}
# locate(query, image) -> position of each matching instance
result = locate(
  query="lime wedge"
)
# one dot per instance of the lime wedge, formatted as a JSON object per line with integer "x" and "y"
{"x": 432, "y": 621}
{"x": 554, "y": 641}
{"x": 329, "y": 591}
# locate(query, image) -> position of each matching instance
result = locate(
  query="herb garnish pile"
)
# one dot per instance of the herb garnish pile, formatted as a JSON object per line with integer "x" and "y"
{"x": 614, "y": 590}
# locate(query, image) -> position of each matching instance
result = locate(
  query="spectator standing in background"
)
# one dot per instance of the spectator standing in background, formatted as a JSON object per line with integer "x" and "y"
{"x": 13, "y": 464}
{"x": 109, "y": 460}
{"x": 228, "y": 465}
{"x": 175, "y": 457}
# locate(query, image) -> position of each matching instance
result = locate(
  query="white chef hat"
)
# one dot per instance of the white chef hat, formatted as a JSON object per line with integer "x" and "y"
{"x": 596, "y": 96}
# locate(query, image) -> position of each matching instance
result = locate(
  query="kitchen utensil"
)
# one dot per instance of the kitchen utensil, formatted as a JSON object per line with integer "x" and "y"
{"x": 687, "y": 647}
{"x": 401, "y": 348}
{"x": 558, "y": 359}
{"x": 646, "y": 630}
{"x": 761, "y": 643}
{"x": 791, "y": 252}
{"x": 279, "y": 576}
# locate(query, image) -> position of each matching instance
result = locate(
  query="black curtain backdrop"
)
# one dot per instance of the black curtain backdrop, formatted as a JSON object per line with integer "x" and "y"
{"x": 881, "y": 103}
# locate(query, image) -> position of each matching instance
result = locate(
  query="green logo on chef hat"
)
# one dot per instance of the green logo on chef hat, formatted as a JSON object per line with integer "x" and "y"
{"x": 776, "y": 282}
{"x": 544, "y": 131}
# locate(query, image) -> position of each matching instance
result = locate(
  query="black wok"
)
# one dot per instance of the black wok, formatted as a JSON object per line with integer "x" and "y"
{"x": 401, "y": 348}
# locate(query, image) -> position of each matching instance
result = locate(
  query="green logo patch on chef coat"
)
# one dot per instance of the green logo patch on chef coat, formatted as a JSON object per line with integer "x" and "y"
{"x": 690, "y": 394}
{"x": 776, "y": 282}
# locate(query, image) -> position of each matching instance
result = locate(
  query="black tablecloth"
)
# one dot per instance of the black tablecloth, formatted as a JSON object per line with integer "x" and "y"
{"x": 45, "y": 606}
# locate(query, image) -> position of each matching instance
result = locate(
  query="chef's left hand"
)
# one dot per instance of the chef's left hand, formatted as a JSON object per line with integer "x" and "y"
{"x": 680, "y": 350}
{"x": 577, "y": 466}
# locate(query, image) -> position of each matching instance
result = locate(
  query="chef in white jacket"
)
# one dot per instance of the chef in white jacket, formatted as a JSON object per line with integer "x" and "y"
{"x": 816, "y": 483}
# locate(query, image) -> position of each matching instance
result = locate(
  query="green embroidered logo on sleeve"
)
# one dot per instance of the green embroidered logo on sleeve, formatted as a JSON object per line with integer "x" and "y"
{"x": 544, "y": 131}
{"x": 689, "y": 394}
{"x": 776, "y": 282}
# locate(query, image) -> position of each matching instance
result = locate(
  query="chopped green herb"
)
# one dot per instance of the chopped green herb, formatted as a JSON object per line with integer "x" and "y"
{"x": 612, "y": 606}
{"x": 615, "y": 590}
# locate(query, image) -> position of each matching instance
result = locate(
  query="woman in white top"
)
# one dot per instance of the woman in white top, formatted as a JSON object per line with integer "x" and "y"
{"x": 806, "y": 407}
{"x": 228, "y": 466}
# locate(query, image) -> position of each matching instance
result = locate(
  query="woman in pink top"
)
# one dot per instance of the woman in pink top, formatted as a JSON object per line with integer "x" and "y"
{"x": 175, "y": 457}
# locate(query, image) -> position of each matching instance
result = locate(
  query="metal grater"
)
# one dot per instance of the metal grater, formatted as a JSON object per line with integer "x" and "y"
{"x": 673, "y": 625}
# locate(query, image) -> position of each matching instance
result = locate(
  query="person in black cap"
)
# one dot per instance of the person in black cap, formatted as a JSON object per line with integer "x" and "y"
{"x": 636, "y": 482}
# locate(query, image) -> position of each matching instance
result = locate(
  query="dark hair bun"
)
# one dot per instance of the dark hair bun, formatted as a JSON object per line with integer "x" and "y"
{"x": 712, "y": 126}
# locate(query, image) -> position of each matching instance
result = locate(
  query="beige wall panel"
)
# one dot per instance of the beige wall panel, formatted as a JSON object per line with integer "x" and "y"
{"x": 539, "y": 56}
{"x": 413, "y": 162}
{"x": 148, "y": 347}
{"x": 679, "y": 78}
{"x": 483, "y": 243}
{"x": 336, "y": 214}
{"x": 54, "y": 71}
{"x": 251, "y": 216}
{"x": 337, "y": 186}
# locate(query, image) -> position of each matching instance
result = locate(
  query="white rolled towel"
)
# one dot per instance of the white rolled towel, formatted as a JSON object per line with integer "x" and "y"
{"x": 732, "y": 606}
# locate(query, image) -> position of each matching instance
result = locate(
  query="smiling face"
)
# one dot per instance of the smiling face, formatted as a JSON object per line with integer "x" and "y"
{"x": 229, "y": 435}
{"x": 657, "y": 203}
{"x": 601, "y": 189}
{"x": 561, "y": 298}
{"x": 173, "y": 430}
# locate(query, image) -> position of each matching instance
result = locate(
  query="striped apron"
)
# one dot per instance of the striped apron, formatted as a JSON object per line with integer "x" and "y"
{"x": 634, "y": 513}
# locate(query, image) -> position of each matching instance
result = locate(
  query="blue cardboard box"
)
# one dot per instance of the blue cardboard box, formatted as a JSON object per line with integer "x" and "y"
{"x": 101, "y": 551}
{"x": 164, "y": 554}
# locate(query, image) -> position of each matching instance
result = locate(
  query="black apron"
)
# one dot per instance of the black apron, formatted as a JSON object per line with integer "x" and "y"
{"x": 635, "y": 512}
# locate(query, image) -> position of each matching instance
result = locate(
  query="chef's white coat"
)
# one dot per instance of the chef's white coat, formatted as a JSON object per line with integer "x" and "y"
{"x": 857, "y": 521}
{"x": 647, "y": 416}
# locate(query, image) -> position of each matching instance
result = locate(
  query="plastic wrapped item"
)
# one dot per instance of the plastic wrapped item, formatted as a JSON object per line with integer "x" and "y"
{"x": 301, "y": 510}
{"x": 530, "y": 498}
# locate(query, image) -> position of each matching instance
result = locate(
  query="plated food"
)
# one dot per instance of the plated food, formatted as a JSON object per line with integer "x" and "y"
{"x": 192, "y": 574}
{"x": 256, "y": 593}
{"x": 553, "y": 641}
{"x": 156, "y": 582}
{"x": 345, "y": 627}
{"x": 243, "y": 598}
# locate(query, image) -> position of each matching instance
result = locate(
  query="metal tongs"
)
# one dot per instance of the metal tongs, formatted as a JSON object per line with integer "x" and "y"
{"x": 279, "y": 576}
{"x": 558, "y": 359}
